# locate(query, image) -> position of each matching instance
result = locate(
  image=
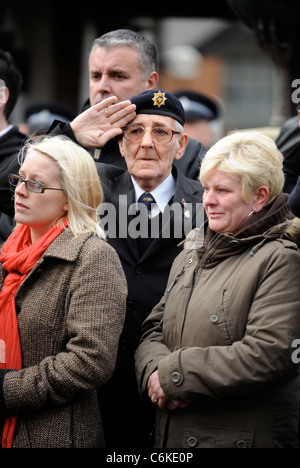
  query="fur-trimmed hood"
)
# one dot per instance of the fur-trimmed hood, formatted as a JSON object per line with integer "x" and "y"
{"x": 292, "y": 231}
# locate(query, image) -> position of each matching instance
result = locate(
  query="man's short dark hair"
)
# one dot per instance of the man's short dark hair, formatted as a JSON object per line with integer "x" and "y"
{"x": 126, "y": 37}
{"x": 12, "y": 78}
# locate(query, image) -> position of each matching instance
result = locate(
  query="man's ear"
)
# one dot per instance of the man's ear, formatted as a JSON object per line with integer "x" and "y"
{"x": 152, "y": 80}
{"x": 121, "y": 147}
{"x": 183, "y": 141}
{"x": 4, "y": 95}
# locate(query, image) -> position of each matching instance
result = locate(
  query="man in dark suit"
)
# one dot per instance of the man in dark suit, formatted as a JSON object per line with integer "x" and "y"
{"x": 147, "y": 240}
{"x": 288, "y": 143}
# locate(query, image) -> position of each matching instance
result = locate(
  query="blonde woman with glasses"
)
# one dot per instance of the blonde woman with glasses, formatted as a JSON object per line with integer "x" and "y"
{"x": 62, "y": 302}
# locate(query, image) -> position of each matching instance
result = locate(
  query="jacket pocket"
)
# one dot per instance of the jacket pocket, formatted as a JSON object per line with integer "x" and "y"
{"x": 222, "y": 319}
{"x": 217, "y": 437}
{"x": 176, "y": 277}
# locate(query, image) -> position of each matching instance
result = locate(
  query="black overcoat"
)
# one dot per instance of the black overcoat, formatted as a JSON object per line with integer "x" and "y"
{"x": 288, "y": 143}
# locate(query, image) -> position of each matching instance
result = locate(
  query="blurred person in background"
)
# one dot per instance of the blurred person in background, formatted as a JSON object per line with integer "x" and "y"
{"x": 40, "y": 116}
{"x": 288, "y": 142}
{"x": 11, "y": 139}
{"x": 203, "y": 117}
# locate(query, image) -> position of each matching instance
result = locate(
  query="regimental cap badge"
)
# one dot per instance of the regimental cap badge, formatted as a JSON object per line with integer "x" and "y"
{"x": 159, "y": 99}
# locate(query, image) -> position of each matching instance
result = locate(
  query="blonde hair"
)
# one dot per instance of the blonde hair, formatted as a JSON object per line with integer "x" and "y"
{"x": 79, "y": 180}
{"x": 250, "y": 157}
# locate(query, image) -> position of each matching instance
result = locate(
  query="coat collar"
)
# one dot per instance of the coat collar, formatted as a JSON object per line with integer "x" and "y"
{"x": 187, "y": 189}
{"x": 66, "y": 247}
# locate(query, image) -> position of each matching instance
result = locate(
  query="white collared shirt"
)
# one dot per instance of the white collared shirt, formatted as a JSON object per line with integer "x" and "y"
{"x": 6, "y": 130}
{"x": 162, "y": 194}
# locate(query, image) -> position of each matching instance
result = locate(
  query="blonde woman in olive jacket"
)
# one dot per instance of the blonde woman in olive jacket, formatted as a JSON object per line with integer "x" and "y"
{"x": 216, "y": 355}
{"x": 70, "y": 307}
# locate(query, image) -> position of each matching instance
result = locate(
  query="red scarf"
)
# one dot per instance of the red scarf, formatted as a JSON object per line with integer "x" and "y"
{"x": 18, "y": 257}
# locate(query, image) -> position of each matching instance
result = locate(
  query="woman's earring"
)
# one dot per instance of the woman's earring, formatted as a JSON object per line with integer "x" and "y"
{"x": 251, "y": 214}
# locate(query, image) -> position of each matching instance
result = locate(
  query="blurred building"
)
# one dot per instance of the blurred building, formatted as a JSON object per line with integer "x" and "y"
{"x": 216, "y": 56}
{"x": 232, "y": 67}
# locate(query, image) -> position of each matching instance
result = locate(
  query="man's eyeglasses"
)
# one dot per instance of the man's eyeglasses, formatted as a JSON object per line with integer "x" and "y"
{"x": 135, "y": 133}
{"x": 31, "y": 185}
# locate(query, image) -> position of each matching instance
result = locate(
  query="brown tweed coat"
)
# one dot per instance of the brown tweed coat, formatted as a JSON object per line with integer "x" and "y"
{"x": 71, "y": 310}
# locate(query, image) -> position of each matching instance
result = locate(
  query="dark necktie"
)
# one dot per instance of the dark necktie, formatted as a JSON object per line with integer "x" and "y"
{"x": 145, "y": 242}
{"x": 147, "y": 199}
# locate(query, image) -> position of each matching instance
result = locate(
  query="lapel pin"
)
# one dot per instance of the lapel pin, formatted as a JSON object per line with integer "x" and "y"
{"x": 186, "y": 212}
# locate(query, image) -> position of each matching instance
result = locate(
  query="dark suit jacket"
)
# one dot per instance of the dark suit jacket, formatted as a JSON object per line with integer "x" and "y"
{"x": 288, "y": 142}
{"x": 10, "y": 144}
{"x": 147, "y": 277}
{"x": 294, "y": 200}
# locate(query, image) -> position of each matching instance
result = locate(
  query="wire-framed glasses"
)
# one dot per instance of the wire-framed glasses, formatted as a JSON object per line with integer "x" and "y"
{"x": 135, "y": 133}
{"x": 31, "y": 185}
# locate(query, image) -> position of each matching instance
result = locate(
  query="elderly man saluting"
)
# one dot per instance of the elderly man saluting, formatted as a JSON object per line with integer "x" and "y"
{"x": 147, "y": 240}
{"x": 122, "y": 64}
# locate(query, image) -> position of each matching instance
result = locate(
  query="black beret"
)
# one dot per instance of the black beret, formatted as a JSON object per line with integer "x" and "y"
{"x": 156, "y": 102}
{"x": 197, "y": 106}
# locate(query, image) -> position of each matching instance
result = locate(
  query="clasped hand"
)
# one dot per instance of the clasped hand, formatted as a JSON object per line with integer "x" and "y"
{"x": 158, "y": 396}
{"x": 102, "y": 122}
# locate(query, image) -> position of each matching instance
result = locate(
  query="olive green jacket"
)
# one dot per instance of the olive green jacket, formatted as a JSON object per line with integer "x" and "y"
{"x": 222, "y": 336}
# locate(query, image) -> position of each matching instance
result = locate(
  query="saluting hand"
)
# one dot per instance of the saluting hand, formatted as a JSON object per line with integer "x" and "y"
{"x": 102, "y": 122}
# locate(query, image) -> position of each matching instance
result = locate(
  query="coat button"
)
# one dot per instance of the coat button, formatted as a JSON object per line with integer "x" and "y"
{"x": 138, "y": 270}
{"x": 192, "y": 441}
{"x": 241, "y": 444}
{"x": 176, "y": 377}
{"x": 130, "y": 306}
{"x": 214, "y": 318}
{"x": 190, "y": 261}
{"x": 235, "y": 243}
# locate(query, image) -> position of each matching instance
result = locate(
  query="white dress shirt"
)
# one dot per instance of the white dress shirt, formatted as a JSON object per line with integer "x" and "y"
{"x": 162, "y": 194}
{"x": 6, "y": 130}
